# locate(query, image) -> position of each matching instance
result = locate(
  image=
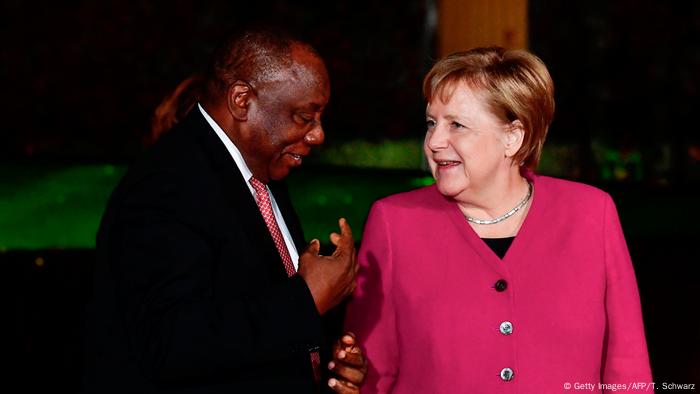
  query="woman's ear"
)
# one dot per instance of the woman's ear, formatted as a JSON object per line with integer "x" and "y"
{"x": 238, "y": 99}
{"x": 514, "y": 138}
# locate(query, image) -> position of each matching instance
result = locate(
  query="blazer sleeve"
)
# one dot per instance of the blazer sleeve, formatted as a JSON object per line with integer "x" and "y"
{"x": 371, "y": 313}
{"x": 625, "y": 351}
{"x": 178, "y": 328}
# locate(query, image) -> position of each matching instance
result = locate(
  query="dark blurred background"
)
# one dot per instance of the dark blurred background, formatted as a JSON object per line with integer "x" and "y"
{"x": 81, "y": 80}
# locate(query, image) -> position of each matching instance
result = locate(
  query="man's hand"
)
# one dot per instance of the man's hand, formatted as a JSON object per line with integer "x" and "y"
{"x": 349, "y": 364}
{"x": 330, "y": 278}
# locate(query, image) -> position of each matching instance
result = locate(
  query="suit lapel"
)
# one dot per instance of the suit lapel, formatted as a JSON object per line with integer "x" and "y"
{"x": 236, "y": 193}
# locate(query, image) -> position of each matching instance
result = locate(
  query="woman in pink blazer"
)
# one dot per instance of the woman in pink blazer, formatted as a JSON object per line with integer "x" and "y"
{"x": 496, "y": 280}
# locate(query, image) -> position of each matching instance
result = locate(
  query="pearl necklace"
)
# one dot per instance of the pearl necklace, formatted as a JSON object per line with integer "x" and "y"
{"x": 506, "y": 215}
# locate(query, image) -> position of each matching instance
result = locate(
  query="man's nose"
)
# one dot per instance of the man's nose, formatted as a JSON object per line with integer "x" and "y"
{"x": 315, "y": 136}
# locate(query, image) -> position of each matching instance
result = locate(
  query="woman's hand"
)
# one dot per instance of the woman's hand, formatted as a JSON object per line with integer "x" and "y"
{"x": 349, "y": 365}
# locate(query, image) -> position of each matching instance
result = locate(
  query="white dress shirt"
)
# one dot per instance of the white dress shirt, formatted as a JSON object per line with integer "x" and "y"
{"x": 245, "y": 172}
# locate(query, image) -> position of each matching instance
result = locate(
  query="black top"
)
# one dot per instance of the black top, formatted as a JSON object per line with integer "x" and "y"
{"x": 499, "y": 245}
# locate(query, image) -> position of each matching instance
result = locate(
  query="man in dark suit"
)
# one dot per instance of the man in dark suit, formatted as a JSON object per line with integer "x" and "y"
{"x": 203, "y": 281}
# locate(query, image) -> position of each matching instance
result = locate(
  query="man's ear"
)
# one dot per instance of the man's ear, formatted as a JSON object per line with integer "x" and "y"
{"x": 514, "y": 138}
{"x": 238, "y": 99}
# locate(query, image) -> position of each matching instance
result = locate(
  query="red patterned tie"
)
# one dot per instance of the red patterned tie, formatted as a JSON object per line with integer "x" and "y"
{"x": 265, "y": 206}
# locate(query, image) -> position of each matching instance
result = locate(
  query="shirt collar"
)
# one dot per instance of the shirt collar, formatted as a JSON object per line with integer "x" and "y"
{"x": 230, "y": 146}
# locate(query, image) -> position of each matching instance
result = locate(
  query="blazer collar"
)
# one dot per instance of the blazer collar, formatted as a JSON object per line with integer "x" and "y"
{"x": 522, "y": 239}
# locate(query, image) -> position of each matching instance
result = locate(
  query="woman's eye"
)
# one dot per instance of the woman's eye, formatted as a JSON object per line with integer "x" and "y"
{"x": 457, "y": 125}
{"x": 430, "y": 123}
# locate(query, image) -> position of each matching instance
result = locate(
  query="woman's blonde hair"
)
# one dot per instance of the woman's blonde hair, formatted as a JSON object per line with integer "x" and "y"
{"x": 515, "y": 84}
{"x": 176, "y": 106}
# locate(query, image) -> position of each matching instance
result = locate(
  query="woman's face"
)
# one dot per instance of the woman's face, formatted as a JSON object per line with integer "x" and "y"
{"x": 465, "y": 143}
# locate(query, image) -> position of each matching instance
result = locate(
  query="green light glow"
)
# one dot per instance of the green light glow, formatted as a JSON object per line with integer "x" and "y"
{"x": 57, "y": 207}
{"x": 60, "y": 206}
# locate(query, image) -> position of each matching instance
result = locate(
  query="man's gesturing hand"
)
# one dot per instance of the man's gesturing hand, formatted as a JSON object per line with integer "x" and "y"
{"x": 330, "y": 278}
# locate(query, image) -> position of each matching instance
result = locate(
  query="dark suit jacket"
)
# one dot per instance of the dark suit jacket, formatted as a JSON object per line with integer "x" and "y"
{"x": 191, "y": 294}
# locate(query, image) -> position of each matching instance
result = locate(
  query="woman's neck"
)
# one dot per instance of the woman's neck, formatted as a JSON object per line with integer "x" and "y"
{"x": 496, "y": 199}
{"x": 498, "y": 196}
